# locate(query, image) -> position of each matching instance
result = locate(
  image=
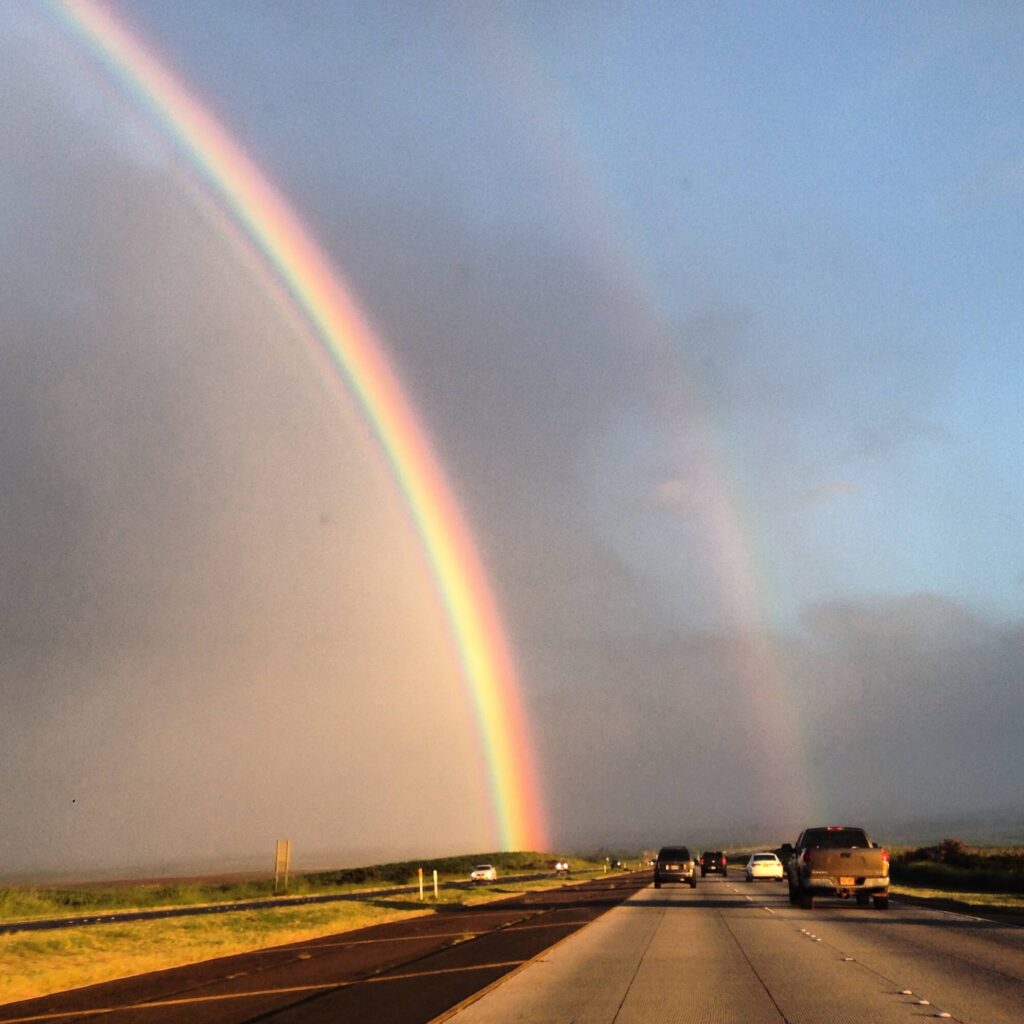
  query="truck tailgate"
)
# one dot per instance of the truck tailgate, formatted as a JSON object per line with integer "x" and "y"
{"x": 854, "y": 863}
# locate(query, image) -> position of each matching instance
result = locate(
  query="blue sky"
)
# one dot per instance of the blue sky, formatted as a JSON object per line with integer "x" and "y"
{"x": 692, "y": 299}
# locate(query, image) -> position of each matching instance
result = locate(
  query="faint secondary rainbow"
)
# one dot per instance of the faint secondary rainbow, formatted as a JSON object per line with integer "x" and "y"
{"x": 342, "y": 333}
{"x": 614, "y": 241}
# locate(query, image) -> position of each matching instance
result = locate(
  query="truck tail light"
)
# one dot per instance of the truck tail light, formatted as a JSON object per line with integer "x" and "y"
{"x": 725, "y": 860}
{"x": 885, "y": 860}
{"x": 806, "y": 858}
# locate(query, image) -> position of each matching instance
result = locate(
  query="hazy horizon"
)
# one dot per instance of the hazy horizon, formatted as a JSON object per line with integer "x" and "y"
{"x": 981, "y": 830}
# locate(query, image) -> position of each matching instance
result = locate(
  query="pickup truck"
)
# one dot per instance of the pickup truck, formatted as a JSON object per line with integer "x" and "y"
{"x": 838, "y": 860}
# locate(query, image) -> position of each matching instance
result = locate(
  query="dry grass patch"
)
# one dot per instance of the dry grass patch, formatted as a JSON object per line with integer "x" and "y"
{"x": 40, "y": 963}
{"x": 992, "y": 900}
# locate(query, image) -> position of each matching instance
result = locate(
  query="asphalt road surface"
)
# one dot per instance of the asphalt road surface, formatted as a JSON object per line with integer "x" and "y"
{"x": 732, "y": 951}
{"x": 728, "y": 951}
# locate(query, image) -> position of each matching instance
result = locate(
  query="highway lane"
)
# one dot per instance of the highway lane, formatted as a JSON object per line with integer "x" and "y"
{"x": 732, "y": 951}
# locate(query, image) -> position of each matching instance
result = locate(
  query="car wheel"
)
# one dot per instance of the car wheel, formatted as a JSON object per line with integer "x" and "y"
{"x": 793, "y": 897}
{"x": 657, "y": 884}
{"x": 693, "y": 883}
{"x": 881, "y": 902}
{"x": 807, "y": 901}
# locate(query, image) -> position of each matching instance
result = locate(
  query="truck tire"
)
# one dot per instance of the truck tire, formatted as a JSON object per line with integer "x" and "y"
{"x": 657, "y": 884}
{"x": 882, "y": 902}
{"x": 693, "y": 883}
{"x": 807, "y": 901}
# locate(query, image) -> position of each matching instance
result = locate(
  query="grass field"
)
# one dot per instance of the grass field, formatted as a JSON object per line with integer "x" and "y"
{"x": 956, "y": 869}
{"x": 989, "y": 900}
{"x": 39, "y": 963}
{"x": 27, "y": 902}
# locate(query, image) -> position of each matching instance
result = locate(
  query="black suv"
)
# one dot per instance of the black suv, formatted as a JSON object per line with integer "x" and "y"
{"x": 674, "y": 864}
{"x": 713, "y": 861}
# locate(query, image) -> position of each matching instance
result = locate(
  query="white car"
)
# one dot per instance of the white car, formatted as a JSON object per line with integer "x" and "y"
{"x": 483, "y": 873}
{"x": 764, "y": 865}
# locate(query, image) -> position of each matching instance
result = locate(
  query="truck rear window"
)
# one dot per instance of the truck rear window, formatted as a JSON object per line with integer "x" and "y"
{"x": 674, "y": 853}
{"x": 835, "y": 838}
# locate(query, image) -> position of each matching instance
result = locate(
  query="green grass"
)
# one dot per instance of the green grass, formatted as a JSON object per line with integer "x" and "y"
{"x": 951, "y": 871}
{"x": 24, "y": 903}
{"x": 951, "y": 878}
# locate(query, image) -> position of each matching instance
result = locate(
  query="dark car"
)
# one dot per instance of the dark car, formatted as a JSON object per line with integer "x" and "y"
{"x": 675, "y": 864}
{"x": 713, "y": 862}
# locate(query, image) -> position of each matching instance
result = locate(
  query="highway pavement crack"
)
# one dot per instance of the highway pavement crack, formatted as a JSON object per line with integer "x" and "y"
{"x": 636, "y": 970}
{"x": 754, "y": 970}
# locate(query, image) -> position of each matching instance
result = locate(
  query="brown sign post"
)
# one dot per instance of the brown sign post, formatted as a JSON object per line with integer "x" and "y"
{"x": 282, "y": 862}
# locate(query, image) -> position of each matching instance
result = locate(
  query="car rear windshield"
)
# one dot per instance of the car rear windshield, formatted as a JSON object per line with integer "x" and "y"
{"x": 714, "y": 855}
{"x": 835, "y": 838}
{"x": 764, "y": 856}
{"x": 674, "y": 853}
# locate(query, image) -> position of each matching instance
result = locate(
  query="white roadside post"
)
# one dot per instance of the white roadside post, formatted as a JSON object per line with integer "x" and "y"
{"x": 436, "y": 894}
{"x": 420, "y": 870}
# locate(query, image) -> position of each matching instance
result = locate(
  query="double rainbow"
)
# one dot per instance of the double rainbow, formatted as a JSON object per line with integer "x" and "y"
{"x": 297, "y": 264}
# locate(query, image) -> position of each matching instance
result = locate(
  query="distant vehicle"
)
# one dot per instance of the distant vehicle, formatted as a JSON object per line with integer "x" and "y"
{"x": 713, "y": 861}
{"x": 675, "y": 864}
{"x": 838, "y": 860}
{"x": 483, "y": 873}
{"x": 562, "y": 867}
{"x": 764, "y": 865}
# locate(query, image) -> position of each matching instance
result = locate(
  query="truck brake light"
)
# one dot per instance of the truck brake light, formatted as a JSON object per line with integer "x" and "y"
{"x": 885, "y": 858}
{"x": 806, "y": 858}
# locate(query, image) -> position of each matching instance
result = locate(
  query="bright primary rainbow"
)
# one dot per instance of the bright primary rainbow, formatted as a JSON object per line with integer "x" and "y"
{"x": 341, "y": 332}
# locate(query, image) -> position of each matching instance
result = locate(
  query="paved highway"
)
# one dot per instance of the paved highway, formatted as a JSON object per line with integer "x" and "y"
{"x": 732, "y": 951}
{"x": 612, "y": 950}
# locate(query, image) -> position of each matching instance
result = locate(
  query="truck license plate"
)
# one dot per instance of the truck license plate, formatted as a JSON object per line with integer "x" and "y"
{"x": 846, "y": 880}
